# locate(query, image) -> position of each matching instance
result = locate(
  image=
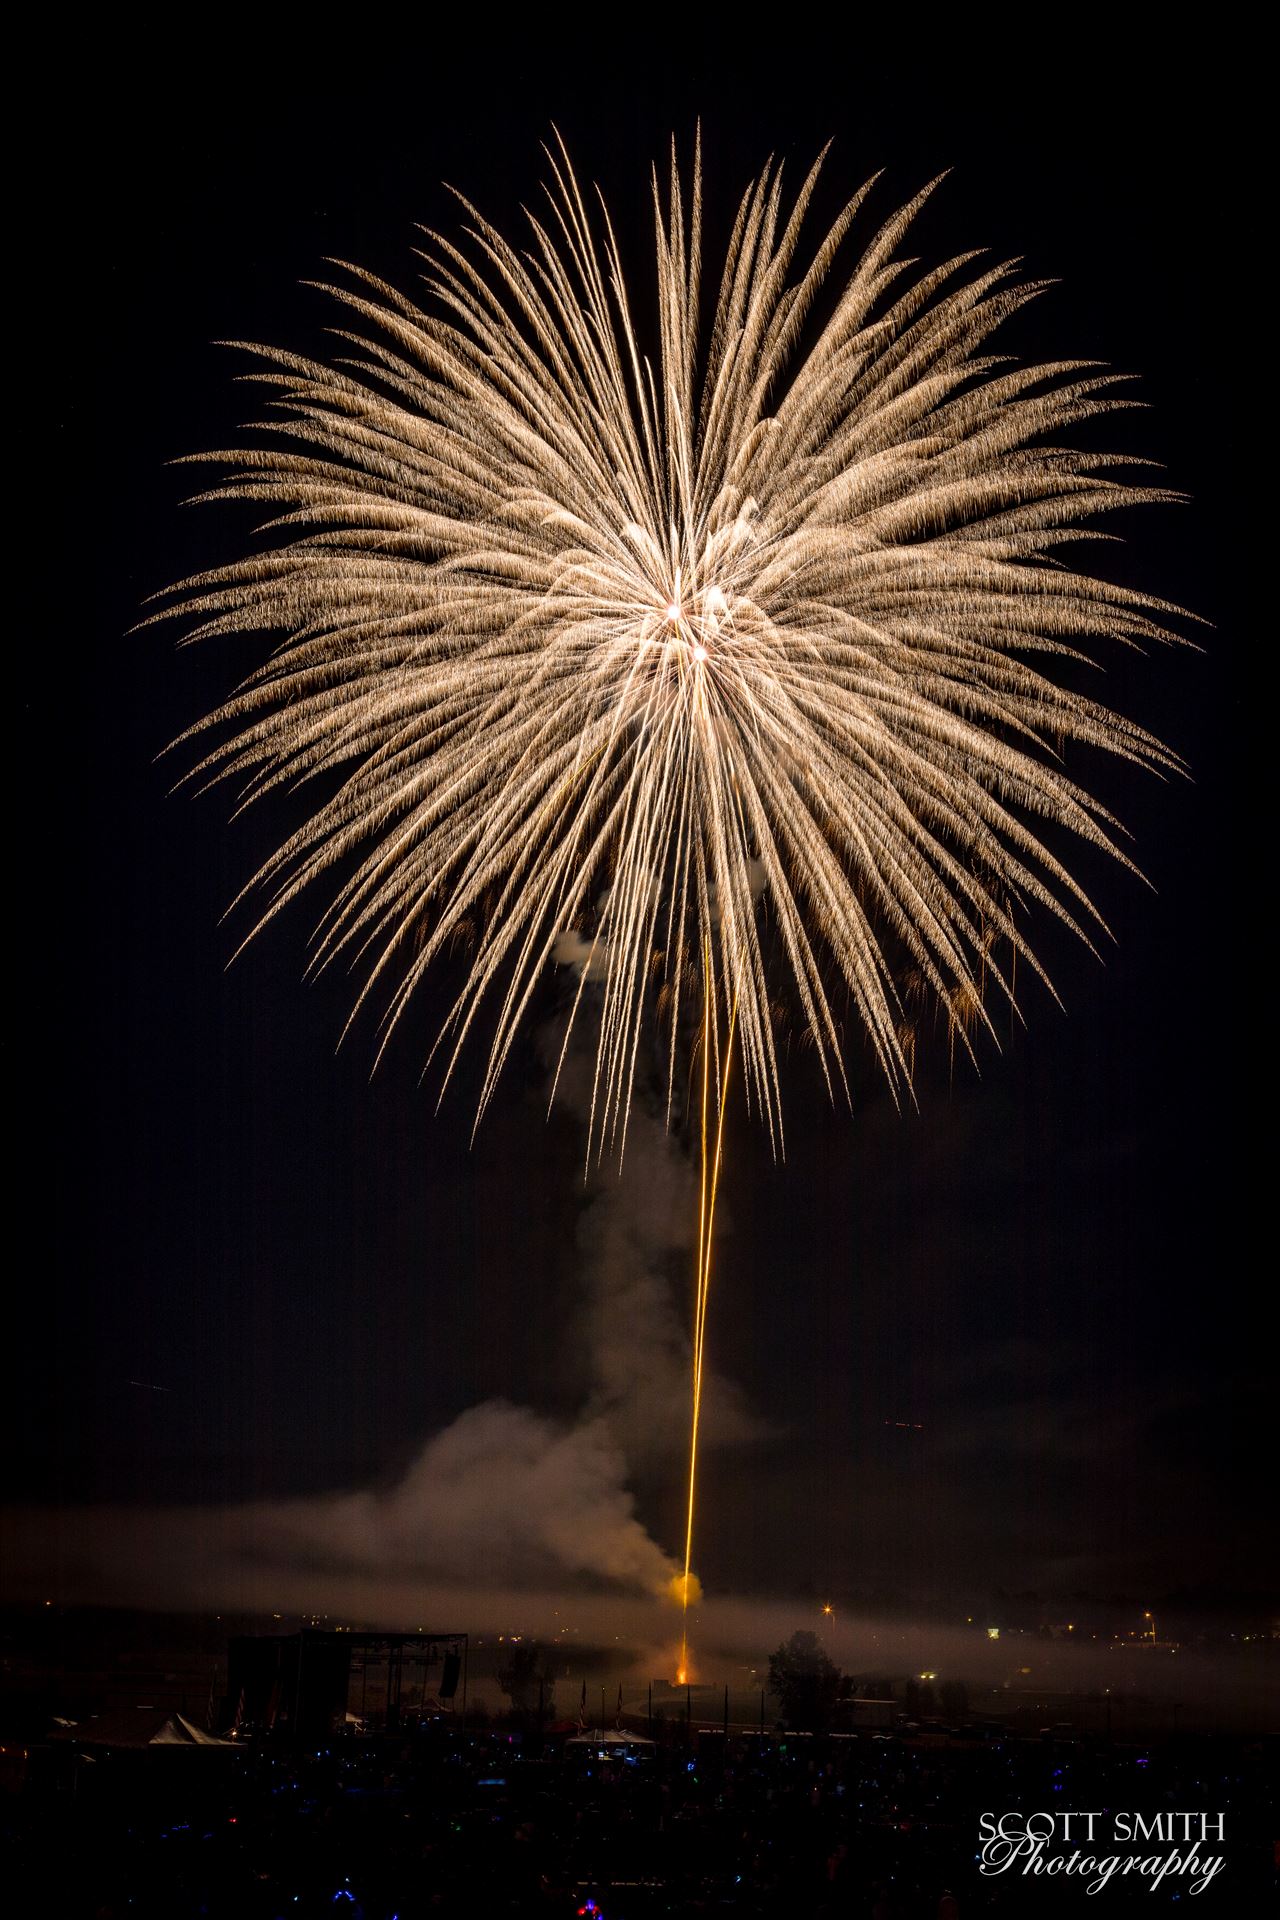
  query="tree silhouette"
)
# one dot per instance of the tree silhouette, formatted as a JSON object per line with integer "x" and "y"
{"x": 805, "y": 1682}
{"x": 528, "y": 1686}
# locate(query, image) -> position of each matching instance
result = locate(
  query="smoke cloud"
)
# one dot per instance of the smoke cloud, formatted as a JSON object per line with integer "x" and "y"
{"x": 505, "y": 1498}
{"x": 502, "y": 1497}
{"x": 636, "y": 1251}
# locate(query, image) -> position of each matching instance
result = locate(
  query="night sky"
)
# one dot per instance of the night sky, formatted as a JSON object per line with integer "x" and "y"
{"x": 1038, "y": 1272}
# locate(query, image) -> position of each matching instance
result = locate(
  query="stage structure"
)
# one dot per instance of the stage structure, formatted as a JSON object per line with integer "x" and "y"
{"x": 315, "y": 1682}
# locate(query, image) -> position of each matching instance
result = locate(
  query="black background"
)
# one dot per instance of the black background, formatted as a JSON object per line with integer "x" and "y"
{"x": 1040, "y": 1266}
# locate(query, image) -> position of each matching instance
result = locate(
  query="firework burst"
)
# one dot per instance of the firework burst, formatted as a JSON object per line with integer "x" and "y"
{"x": 640, "y": 648}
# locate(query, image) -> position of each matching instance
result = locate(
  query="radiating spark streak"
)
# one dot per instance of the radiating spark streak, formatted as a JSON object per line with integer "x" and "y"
{"x": 576, "y": 639}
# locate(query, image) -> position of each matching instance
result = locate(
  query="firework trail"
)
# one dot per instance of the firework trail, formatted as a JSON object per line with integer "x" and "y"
{"x": 692, "y": 665}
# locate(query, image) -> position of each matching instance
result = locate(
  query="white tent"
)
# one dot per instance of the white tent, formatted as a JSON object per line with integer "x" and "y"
{"x": 137, "y": 1727}
{"x": 614, "y": 1740}
{"x": 178, "y": 1731}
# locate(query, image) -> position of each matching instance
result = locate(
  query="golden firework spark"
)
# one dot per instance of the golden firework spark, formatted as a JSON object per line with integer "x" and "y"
{"x": 736, "y": 650}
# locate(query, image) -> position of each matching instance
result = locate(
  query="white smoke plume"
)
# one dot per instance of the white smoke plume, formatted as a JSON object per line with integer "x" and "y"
{"x": 505, "y": 1498}
{"x": 636, "y": 1240}
{"x": 501, "y": 1498}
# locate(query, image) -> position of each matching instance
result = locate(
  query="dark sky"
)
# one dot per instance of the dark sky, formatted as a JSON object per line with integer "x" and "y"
{"x": 1040, "y": 1267}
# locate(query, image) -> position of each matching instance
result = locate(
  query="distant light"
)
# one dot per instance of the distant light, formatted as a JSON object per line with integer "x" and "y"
{"x": 993, "y": 1633}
